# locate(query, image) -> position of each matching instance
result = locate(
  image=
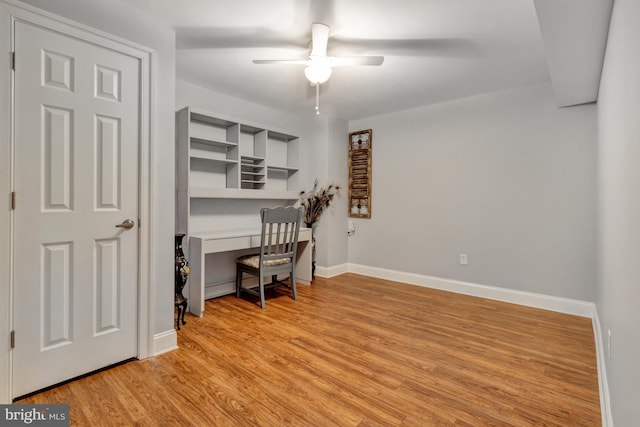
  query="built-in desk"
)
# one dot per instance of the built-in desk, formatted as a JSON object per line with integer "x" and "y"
{"x": 201, "y": 244}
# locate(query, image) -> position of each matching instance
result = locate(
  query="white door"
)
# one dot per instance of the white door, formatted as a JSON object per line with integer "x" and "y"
{"x": 77, "y": 140}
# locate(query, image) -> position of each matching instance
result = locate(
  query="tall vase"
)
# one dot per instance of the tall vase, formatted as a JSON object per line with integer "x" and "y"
{"x": 182, "y": 271}
{"x": 313, "y": 249}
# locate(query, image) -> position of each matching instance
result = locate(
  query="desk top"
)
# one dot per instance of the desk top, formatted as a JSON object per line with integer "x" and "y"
{"x": 227, "y": 234}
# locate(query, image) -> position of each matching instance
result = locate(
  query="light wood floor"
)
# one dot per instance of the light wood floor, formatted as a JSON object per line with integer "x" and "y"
{"x": 354, "y": 351}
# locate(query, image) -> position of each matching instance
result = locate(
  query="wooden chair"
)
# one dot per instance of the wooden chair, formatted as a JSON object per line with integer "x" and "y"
{"x": 278, "y": 246}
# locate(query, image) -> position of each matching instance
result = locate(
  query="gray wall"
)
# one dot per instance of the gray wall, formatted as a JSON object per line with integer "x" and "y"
{"x": 506, "y": 178}
{"x": 618, "y": 296}
{"x": 327, "y": 161}
{"x": 338, "y": 173}
{"x": 118, "y": 19}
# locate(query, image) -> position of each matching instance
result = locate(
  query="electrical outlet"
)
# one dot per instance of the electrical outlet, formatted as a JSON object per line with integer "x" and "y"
{"x": 464, "y": 260}
{"x": 609, "y": 344}
{"x": 351, "y": 228}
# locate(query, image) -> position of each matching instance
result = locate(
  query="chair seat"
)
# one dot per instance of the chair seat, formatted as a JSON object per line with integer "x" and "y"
{"x": 254, "y": 261}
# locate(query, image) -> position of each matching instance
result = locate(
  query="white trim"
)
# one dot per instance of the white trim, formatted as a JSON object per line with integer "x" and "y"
{"x": 334, "y": 270}
{"x": 603, "y": 384}
{"x": 14, "y": 10}
{"x": 165, "y": 341}
{"x": 31, "y": 14}
{"x": 529, "y": 299}
{"x": 146, "y": 294}
{"x": 6, "y": 135}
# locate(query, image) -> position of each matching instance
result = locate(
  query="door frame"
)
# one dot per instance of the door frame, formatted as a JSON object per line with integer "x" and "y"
{"x": 10, "y": 12}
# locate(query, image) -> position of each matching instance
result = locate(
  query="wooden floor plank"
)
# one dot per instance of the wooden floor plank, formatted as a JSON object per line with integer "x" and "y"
{"x": 354, "y": 351}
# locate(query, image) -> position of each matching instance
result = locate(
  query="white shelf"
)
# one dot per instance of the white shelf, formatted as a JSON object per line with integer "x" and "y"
{"x": 240, "y": 193}
{"x": 213, "y": 142}
{"x": 281, "y": 169}
{"x": 281, "y": 136}
{"x": 213, "y": 159}
{"x": 251, "y": 160}
{"x": 198, "y": 115}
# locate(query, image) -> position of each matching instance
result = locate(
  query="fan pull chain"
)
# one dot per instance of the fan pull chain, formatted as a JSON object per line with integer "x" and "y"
{"x": 317, "y": 99}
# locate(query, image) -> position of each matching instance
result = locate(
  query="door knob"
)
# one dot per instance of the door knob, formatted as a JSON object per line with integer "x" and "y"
{"x": 127, "y": 223}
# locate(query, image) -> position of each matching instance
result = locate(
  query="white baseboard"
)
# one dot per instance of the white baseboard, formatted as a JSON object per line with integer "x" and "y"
{"x": 335, "y": 270}
{"x": 165, "y": 341}
{"x": 529, "y": 299}
{"x": 603, "y": 384}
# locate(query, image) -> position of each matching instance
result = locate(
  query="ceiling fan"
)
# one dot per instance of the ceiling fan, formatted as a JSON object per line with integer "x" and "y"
{"x": 318, "y": 65}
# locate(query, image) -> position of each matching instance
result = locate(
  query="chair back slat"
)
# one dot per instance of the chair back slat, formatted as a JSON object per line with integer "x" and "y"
{"x": 280, "y": 227}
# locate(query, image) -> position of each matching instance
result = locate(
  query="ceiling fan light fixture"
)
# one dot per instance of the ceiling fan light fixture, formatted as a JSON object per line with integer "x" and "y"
{"x": 318, "y": 73}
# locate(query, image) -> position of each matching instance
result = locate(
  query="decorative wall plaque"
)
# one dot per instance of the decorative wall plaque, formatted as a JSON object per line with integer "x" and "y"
{"x": 360, "y": 174}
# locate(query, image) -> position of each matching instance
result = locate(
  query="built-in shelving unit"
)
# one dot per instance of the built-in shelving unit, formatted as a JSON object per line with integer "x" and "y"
{"x": 220, "y": 158}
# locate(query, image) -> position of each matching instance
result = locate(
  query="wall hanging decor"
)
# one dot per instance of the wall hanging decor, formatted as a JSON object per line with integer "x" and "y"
{"x": 360, "y": 173}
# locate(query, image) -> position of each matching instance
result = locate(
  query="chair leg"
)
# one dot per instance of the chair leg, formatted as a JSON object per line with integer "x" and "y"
{"x": 292, "y": 278}
{"x": 261, "y": 292}
{"x": 238, "y": 281}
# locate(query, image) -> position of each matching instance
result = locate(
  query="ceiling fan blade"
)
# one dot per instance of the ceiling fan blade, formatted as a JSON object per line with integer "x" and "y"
{"x": 443, "y": 47}
{"x": 345, "y": 61}
{"x": 282, "y": 61}
{"x": 234, "y": 38}
{"x": 319, "y": 38}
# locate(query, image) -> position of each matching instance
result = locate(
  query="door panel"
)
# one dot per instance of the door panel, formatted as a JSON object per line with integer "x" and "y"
{"x": 77, "y": 110}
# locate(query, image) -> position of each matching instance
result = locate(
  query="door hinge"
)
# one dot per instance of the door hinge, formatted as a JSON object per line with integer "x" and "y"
{"x": 13, "y": 61}
{"x": 13, "y": 200}
{"x": 13, "y": 339}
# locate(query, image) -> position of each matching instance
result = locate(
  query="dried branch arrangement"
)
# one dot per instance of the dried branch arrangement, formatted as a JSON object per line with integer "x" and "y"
{"x": 316, "y": 201}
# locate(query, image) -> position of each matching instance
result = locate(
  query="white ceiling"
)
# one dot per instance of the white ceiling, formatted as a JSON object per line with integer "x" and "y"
{"x": 435, "y": 50}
